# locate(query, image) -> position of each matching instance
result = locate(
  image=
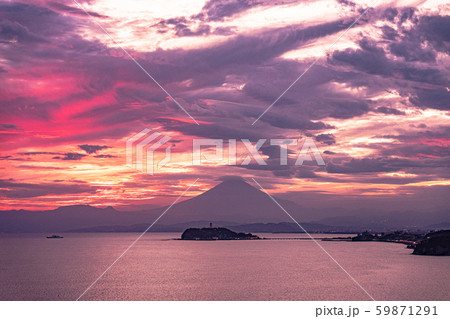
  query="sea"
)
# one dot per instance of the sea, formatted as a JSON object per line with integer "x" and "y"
{"x": 162, "y": 267}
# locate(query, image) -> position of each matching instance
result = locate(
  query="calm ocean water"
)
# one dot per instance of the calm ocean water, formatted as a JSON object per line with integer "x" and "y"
{"x": 158, "y": 268}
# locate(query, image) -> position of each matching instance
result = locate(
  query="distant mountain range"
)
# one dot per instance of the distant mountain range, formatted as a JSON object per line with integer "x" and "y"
{"x": 66, "y": 218}
{"x": 234, "y": 204}
{"x": 283, "y": 227}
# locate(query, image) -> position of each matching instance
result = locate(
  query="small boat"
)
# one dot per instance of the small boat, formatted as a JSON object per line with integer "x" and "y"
{"x": 54, "y": 236}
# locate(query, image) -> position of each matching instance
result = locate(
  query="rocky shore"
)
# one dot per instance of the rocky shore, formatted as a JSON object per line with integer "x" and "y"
{"x": 434, "y": 243}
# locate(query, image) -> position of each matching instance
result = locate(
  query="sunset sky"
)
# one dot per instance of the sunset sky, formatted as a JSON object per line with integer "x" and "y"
{"x": 377, "y": 103}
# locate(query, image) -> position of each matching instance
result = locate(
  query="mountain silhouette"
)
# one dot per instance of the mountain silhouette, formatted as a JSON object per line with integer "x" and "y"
{"x": 66, "y": 218}
{"x": 236, "y": 201}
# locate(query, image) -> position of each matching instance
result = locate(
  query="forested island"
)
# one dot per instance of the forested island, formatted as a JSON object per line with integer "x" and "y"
{"x": 214, "y": 233}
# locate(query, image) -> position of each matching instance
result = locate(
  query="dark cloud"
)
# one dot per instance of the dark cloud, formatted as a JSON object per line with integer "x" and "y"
{"x": 217, "y": 10}
{"x": 305, "y": 172}
{"x": 12, "y": 189}
{"x": 347, "y": 2}
{"x": 411, "y": 52}
{"x": 389, "y": 163}
{"x": 435, "y": 30}
{"x": 14, "y": 32}
{"x": 407, "y": 62}
{"x": 414, "y": 44}
{"x": 388, "y": 110}
{"x": 10, "y": 127}
{"x": 183, "y": 30}
{"x": 438, "y": 98}
{"x": 257, "y": 48}
{"x": 292, "y": 122}
{"x": 28, "y": 18}
{"x": 390, "y": 14}
{"x": 365, "y": 165}
{"x": 88, "y": 148}
{"x": 438, "y": 134}
{"x": 40, "y": 153}
{"x": 417, "y": 150}
{"x": 104, "y": 156}
{"x": 213, "y": 10}
{"x": 348, "y": 109}
{"x": 409, "y": 44}
{"x": 328, "y": 139}
{"x": 224, "y": 31}
{"x": 370, "y": 58}
{"x": 389, "y": 33}
{"x": 214, "y": 131}
{"x": 73, "y": 10}
{"x": 71, "y": 157}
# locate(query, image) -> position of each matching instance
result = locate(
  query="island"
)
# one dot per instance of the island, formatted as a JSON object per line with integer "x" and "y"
{"x": 215, "y": 233}
{"x": 54, "y": 236}
{"x": 435, "y": 243}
